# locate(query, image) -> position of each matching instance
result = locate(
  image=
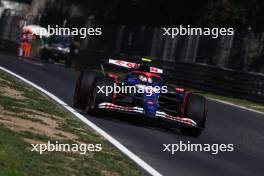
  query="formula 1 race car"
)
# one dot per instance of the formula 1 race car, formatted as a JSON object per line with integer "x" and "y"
{"x": 140, "y": 92}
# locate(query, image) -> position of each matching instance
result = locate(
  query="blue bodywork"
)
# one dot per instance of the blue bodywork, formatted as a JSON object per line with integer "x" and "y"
{"x": 150, "y": 104}
{"x": 149, "y": 101}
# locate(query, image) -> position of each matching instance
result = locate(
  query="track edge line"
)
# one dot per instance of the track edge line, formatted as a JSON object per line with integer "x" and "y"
{"x": 234, "y": 105}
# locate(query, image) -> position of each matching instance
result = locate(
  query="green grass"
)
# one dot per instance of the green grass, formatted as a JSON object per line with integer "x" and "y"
{"x": 16, "y": 157}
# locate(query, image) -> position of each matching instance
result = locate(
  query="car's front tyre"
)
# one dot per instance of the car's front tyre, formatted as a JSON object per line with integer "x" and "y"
{"x": 195, "y": 109}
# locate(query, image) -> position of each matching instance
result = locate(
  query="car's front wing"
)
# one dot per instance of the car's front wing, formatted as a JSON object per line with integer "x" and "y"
{"x": 159, "y": 114}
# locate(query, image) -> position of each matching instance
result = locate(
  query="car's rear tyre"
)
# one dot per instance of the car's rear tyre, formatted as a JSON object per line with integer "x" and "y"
{"x": 195, "y": 110}
{"x": 83, "y": 87}
{"x": 96, "y": 96}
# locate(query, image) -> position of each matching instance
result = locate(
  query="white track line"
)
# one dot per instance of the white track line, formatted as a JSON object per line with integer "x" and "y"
{"x": 234, "y": 105}
{"x": 117, "y": 144}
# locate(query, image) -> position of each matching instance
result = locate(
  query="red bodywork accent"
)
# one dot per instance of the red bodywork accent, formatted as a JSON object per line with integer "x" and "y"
{"x": 111, "y": 75}
{"x": 132, "y": 65}
{"x": 184, "y": 104}
{"x": 147, "y": 74}
{"x": 115, "y": 77}
{"x": 153, "y": 69}
{"x": 126, "y": 64}
{"x": 179, "y": 89}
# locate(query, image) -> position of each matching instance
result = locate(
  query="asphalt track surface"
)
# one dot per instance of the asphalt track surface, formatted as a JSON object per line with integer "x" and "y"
{"x": 226, "y": 125}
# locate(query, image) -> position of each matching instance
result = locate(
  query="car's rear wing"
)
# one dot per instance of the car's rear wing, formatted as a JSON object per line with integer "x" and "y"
{"x": 133, "y": 66}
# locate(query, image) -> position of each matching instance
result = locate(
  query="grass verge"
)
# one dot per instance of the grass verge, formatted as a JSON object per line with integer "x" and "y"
{"x": 26, "y": 118}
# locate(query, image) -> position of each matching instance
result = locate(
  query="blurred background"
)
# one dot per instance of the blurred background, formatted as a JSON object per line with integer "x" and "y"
{"x": 134, "y": 27}
{"x": 229, "y": 65}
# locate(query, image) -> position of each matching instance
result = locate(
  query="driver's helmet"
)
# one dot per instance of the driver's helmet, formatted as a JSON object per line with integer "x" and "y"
{"x": 144, "y": 79}
{"x": 150, "y": 80}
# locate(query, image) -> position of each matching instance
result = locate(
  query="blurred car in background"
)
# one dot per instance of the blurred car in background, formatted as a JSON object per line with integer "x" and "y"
{"x": 60, "y": 48}
{"x": 57, "y": 48}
